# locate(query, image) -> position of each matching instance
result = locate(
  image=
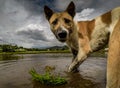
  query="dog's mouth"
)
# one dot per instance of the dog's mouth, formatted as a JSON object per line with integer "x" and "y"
{"x": 62, "y": 40}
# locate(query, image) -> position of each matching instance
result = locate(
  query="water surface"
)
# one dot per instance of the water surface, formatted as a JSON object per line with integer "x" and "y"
{"x": 14, "y": 71}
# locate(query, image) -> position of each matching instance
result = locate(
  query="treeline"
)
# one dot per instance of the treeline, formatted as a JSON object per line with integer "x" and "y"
{"x": 15, "y": 48}
{"x": 54, "y": 48}
{"x": 10, "y": 48}
{"x": 58, "y": 48}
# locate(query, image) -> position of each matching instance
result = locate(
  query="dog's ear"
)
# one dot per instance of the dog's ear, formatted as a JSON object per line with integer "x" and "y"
{"x": 48, "y": 12}
{"x": 71, "y": 9}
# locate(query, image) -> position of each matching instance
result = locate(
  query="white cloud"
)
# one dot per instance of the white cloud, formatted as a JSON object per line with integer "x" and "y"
{"x": 33, "y": 31}
{"x": 84, "y": 14}
{"x": 1, "y": 38}
{"x": 37, "y": 35}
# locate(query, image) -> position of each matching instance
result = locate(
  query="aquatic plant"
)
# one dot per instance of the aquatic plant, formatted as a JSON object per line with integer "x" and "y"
{"x": 47, "y": 78}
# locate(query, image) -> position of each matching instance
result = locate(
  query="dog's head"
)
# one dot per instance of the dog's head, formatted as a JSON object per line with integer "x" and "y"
{"x": 61, "y": 23}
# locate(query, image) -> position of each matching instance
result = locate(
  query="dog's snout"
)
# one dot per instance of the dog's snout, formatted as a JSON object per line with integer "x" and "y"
{"x": 62, "y": 34}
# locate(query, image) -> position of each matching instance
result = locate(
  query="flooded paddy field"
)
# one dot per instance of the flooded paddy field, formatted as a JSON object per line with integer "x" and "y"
{"x": 14, "y": 70}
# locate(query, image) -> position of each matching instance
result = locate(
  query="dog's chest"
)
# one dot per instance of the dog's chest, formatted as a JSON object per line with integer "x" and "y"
{"x": 72, "y": 42}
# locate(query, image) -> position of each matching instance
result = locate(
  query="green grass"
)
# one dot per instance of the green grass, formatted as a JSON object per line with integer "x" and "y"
{"x": 36, "y": 52}
{"x": 100, "y": 53}
{"x": 47, "y": 78}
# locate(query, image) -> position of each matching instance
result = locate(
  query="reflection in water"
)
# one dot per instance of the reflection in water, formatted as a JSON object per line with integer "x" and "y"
{"x": 9, "y": 57}
{"x": 75, "y": 80}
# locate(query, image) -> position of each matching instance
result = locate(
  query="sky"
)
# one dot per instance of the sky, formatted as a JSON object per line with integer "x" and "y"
{"x": 23, "y": 22}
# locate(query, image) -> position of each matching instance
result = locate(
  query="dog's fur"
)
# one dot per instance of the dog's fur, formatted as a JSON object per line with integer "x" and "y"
{"x": 84, "y": 37}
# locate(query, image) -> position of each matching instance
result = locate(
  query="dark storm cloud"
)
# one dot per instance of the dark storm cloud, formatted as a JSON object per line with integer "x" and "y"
{"x": 33, "y": 32}
{"x": 17, "y": 14}
{"x": 35, "y": 6}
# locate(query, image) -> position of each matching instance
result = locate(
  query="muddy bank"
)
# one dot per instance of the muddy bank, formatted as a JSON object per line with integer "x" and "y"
{"x": 14, "y": 72}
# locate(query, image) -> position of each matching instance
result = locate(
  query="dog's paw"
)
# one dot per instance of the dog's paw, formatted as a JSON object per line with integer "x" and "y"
{"x": 73, "y": 70}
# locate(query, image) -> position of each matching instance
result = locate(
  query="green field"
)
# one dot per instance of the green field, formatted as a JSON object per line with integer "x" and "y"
{"x": 100, "y": 53}
{"x": 35, "y": 52}
{"x": 10, "y": 49}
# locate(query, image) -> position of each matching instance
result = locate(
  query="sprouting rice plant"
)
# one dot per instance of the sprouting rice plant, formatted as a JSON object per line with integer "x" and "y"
{"x": 47, "y": 78}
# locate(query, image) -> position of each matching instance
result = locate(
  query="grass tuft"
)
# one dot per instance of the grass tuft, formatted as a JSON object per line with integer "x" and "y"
{"x": 47, "y": 78}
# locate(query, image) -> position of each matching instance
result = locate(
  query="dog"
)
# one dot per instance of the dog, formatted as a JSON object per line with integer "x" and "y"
{"x": 85, "y": 37}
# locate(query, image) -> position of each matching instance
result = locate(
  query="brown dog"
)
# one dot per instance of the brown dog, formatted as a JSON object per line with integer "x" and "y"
{"x": 84, "y": 37}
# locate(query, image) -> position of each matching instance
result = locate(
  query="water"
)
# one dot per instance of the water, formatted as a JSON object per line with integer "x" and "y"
{"x": 14, "y": 71}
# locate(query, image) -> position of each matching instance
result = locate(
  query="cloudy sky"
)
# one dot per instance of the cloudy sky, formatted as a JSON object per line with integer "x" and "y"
{"x": 22, "y": 22}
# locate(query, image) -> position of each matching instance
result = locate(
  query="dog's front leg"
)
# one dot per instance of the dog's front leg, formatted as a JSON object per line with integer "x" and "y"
{"x": 83, "y": 51}
{"x": 81, "y": 56}
{"x": 74, "y": 52}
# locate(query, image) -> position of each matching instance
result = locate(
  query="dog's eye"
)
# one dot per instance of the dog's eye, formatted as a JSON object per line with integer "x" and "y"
{"x": 55, "y": 22}
{"x": 66, "y": 20}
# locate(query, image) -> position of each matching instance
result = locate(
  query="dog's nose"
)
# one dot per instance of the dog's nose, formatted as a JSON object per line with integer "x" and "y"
{"x": 62, "y": 34}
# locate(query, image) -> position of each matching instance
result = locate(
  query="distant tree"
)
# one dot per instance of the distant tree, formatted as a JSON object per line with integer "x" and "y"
{"x": 21, "y": 47}
{"x": 8, "y": 48}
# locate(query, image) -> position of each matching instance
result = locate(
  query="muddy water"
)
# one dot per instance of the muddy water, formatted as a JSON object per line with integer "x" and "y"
{"x": 14, "y": 71}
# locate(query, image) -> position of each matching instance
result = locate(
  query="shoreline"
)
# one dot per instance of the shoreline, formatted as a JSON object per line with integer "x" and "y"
{"x": 94, "y": 54}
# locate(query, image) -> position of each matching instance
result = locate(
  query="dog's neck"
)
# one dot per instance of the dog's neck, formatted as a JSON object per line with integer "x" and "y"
{"x": 80, "y": 29}
{"x": 73, "y": 37}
